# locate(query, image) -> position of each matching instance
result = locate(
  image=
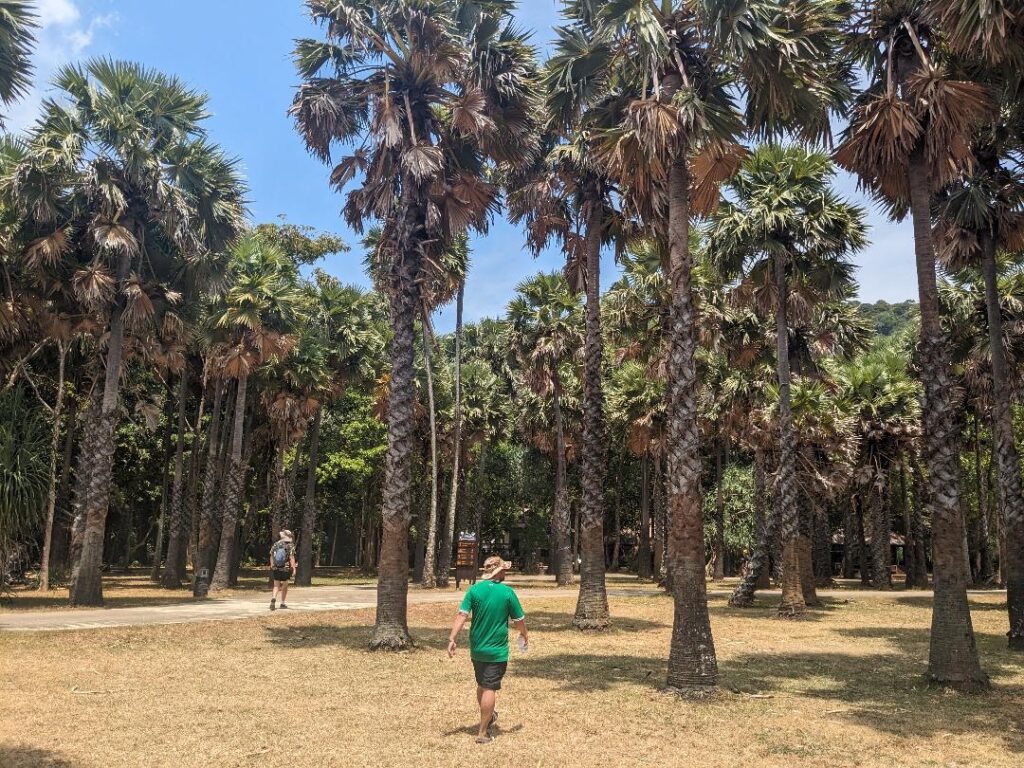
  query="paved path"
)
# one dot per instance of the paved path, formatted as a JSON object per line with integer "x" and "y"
{"x": 331, "y": 598}
{"x": 308, "y": 599}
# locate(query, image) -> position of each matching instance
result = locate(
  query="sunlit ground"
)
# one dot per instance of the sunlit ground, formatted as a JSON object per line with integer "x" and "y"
{"x": 843, "y": 687}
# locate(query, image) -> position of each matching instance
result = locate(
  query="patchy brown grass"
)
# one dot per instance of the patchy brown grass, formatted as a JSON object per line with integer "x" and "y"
{"x": 134, "y": 589}
{"x": 841, "y": 688}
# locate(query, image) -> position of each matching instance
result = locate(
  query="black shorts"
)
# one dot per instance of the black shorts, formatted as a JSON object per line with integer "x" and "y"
{"x": 281, "y": 575}
{"x": 489, "y": 674}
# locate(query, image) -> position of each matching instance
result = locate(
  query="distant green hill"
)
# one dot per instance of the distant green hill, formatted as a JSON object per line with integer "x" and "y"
{"x": 889, "y": 319}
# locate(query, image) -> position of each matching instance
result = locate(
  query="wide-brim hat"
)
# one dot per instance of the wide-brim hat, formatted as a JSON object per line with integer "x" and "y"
{"x": 494, "y": 566}
{"x": 286, "y": 535}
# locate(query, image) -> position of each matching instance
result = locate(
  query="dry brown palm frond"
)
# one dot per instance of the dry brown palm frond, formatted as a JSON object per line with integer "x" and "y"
{"x": 110, "y": 235}
{"x": 387, "y": 122}
{"x": 422, "y": 161}
{"x": 347, "y": 168}
{"x": 884, "y": 132}
{"x": 47, "y": 251}
{"x": 94, "y": 286}
{"x": 715, "y": 163}
{"x": 655, "y": 124}
{"x": 138, "y": 307}
{"x": 236, "y": 361}
{"x": 955, "y": 108}
{"x": 469, "y": 115}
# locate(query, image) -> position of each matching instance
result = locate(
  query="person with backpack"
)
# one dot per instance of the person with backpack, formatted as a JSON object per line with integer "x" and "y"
{"x": 492, "y": 605}
{"x": 282, "y": 567}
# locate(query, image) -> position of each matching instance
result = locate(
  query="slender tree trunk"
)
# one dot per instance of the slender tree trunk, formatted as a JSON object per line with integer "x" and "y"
{"x": 233, "y": 489}
{"x": 445, "y": 559}
{"x": 304, "y": 575}
{"x": 478, "y": 520}
{"x": 592, "y": 604}
{"x": 391, "y": 630}
{"x": 718, "y": 550}
{"x": 429, "y": 578}
{"x": 644, "y": 553}
{"x": 881, "y": 528}
{"x": 792, "y": 587}
{"x": 165, "y": 484}
{"x": 983, "y": 564}
{"x": 822, "y": 536}
{"x": 850, "y": 537}
{"x": 213, "y": 477}
{"x": 756, "y": 571}
{"x": 692, "y": 663}
{"x": 953, "y": 655}
{"x": 96, "y": 461}
{"x": 172, "y": 575}
{"x": 660, "y": 528}
{"x": 62, "y": 522}
{"x": 909, "y": 534}
{"x": 190, "y": 533}
{"x": 807, "y": 580}
{"x": 51, "y": 492}
{"x": 562, "y": 523}
{"x": 1007, "y": 457}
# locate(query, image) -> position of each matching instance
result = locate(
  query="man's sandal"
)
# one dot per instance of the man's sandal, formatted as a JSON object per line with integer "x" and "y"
{"x": 484, "y": 739}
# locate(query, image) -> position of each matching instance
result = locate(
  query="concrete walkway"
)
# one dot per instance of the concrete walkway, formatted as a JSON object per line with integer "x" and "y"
{"x": 300, "y": 599}
{"x": 346, "y": 598}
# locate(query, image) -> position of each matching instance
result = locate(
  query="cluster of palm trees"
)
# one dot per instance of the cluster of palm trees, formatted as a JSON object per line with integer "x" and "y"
{"x": 626, "y": 135}
{"x": 686, "y": 137}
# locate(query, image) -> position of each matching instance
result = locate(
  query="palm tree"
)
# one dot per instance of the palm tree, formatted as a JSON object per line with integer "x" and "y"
{"x": 112, "y": 200}
{"x": 544, "y": 333}
{"x": 910, "y": 134}
{"x": 432, "y": 93}
{"x": 877, "y": 389}
{"x": 979, "y": 216}
{"x": 669, "y": 135}
{"x": 17, "y": 23}
{"x": 787, "y": 235}
{"x": 258, "y": 315}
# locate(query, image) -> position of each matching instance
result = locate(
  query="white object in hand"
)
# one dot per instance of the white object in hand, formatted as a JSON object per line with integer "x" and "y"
{"x": 522, "y": 644}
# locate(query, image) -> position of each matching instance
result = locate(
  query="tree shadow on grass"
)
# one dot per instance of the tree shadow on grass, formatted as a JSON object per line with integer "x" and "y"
{"x": 471, "y": 730}
{"x": 18, "y": 756}
{"x": 555, "y": 621}
{"x": 924, "y": 600}
{"x": 354, "y": 637}
{"x": 592, "y": 672}
{"x": 768, "y": 609}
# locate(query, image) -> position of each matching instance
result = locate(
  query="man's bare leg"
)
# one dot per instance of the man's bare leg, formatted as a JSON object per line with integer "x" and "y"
{"x": 486, "y": 698}
{"x": 284, "y": 591}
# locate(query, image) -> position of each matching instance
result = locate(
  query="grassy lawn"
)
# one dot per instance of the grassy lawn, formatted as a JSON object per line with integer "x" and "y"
{"x": 133, "y": 589}
{"x": 841, "y": 688}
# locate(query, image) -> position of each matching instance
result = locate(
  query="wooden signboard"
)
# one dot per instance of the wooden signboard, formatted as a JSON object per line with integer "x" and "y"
{"x": 466, "y": 552}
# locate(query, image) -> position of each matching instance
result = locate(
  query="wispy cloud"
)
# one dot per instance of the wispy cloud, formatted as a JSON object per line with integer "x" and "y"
{"x": 65, "y": 34}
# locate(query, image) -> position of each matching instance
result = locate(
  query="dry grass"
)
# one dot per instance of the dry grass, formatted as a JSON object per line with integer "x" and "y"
{"x": 842, "y": 688}
{"x": 134, "y": 589}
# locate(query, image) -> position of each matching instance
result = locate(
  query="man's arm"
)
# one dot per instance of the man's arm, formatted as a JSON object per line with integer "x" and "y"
{"x": 521, "y": 626}
{"x": 460, "y": 622}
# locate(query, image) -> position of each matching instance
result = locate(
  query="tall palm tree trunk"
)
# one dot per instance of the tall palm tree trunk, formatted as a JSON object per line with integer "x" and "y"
{"x": 391, "y": 630}
{"x": 692, "y": 663}
{"x": 234, "y": 486}
{"x": 793, "y": 603}
{"x": 62, "y": 520}
{"x": 1007, "y": 458}
{"x": 172, "y": 574}
{"x": 429, "y": 577}
{"x": 660, "y": 528}
{"x": 881, "y": 527}
{"x": 807, "y": 580}
{"x": 756, "y": 571}
{"x": 953, "y": 655}
{"x": 917, "y": 490}
{"x": 304, "y": 575}
{"x": 96, "y": 461}
{"x": 592, "y": 604}
{"x": 51, "y": 492}
{"x": 445, "y": 559}
{"x": 562, "y": 524}
{"x": 165, "y": 485}
{"x": 643, "y": 567}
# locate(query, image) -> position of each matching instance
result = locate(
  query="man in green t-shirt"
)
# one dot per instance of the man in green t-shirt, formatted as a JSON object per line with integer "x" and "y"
{"x": 492, "y": 604}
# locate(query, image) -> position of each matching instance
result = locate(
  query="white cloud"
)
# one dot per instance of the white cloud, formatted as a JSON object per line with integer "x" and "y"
{"x": 64, "y": 35}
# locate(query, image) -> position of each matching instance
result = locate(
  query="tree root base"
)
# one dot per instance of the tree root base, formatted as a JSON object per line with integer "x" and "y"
{"x": 392, "y": 643}
{"x": 981, "y": 685}
{"x": 692, "y": 692}
{"x": 591, "y": 625}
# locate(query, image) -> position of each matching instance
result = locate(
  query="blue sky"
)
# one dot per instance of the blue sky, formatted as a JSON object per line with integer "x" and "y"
{"x": 238, "y": 51}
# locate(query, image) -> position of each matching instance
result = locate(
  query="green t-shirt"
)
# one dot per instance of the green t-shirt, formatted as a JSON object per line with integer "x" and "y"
{"x": 491, "y": 605}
